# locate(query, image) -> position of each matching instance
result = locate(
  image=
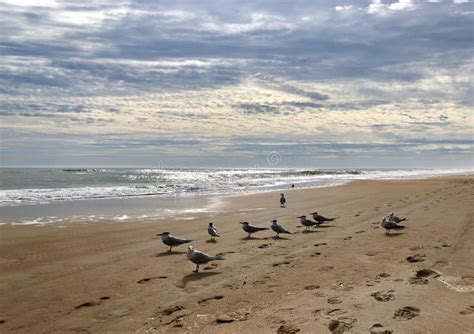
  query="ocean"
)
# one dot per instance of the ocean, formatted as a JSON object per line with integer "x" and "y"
{"x": 43, "y": 196}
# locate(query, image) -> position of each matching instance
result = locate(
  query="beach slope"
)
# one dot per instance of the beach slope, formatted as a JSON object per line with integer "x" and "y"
{"x": 345, "y": 276}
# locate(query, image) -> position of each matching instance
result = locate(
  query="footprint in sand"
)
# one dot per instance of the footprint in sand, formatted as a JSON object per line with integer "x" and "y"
{"x": 422, "y": 275}
{"x": 211, "y": 266}
{"x": 311, "y": 287}
{"x": 469, "y": 310}
{"x": 416, "y": 258}
{"x": 287, "y": 328}
{"x": 379, "y": 329}
{"x": 383, "y": 296}
{"x": 145, "y": 280}
{"x": 87, "y": 304}
{"x": 262, "y": 246}
{"x": 206, "y": 301}
{"x": 326, "y": 268}
{"x": 341, "y": 325}
{"x": 334, "y": 300}
{"x": 382, "y": 275}
{"x": 277, "y": 264}
{"x": 171, "y": 309}
{"x": 335, "y": 312}
{"x": 406, "y": 313}
{"x": 240, "y": 315}
{"x": 320, "y": 244}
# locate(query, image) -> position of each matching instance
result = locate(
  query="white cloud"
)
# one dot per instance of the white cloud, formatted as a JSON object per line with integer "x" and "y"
{"x": 377, "y": 7}
{"x": 402, "y": 5}
{"x": 342, "y": 8}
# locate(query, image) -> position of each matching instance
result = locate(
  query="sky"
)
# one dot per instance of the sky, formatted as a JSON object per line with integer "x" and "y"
{"x": 239, "y": 83}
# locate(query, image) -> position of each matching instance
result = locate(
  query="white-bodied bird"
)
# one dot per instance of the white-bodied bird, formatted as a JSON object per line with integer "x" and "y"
{"x": 395, "y": 219}
{"x": 388, "y": 225}
{"x": 199, "y": 258}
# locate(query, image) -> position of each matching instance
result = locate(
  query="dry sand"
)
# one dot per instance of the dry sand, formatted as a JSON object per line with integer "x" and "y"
{"x": 345, "y": 277}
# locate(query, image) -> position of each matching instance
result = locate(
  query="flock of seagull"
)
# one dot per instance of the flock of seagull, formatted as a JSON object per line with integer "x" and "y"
{"x": 390, "y": 222}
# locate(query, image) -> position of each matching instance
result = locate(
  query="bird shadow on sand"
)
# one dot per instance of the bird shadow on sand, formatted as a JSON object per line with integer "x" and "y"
{"x": 253, "y": 238}
{"x": 325, "y": 226}
{"x": 310, "y": 231}
{"x": 394, "y": 234}
{"x": 211, "y": 241}
{"x": 169, "y": 253}
{"x": 196, "y": 277}
{"x": 278, "y": 238}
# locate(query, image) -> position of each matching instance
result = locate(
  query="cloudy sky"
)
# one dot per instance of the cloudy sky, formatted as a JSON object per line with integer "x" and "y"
{"x": 359, "y": 83}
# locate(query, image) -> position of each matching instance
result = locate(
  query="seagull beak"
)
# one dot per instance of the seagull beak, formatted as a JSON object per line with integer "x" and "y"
{"x": 159, "y": 235}
{"x": 242, "y": 222}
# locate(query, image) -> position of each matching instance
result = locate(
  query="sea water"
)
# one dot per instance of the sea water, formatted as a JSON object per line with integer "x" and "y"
{"x": 41, "y": 196}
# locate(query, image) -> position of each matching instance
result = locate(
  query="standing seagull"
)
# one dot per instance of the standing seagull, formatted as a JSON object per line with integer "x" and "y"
{"x": 307, "y": 223}
{"x": 171, "y": 240}
{"x": 321, "y": 219}
{"x": 249, "y": 228}
{"x": 198, "y": 257}
{"x": 212, "y": 230}
{"x": 395, "y": 219}
{"x": 282, "y": 200}
{"x": 388, "y": 225}
{"x": 278, "y": 228}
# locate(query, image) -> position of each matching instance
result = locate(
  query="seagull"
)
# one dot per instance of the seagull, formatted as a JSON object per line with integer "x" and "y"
{"x": 395, "y": 219}
{"x": 321, "y": 219}
{"x": 278, "y": 228}
{"x": 171, "y": 240}
{"x": 198, "y": 257}
{"x": 388, "y": 225}
{"x": 249, "y": 228}
{"x": 282, "y": 200}
{"x": 307, "y": 223}
{"x": 212, "y": 230}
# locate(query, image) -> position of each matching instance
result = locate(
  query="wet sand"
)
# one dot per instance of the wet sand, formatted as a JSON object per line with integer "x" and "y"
{"x": 344, "y": 277}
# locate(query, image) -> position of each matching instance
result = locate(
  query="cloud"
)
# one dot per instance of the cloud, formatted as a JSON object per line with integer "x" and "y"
{"x": 386, "y": 72}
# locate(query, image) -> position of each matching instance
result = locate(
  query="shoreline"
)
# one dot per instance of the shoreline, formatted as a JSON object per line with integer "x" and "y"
{"x": 165, "y": 212}
{"x": 118, "y": 277}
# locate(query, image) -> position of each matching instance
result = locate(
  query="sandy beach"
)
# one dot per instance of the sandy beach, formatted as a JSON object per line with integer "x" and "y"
{"x": 347, "y": 276}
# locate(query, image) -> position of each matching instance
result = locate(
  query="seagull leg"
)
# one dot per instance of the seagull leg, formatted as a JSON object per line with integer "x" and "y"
{"x": 197, "y": 269}
{"x": 169, "y": 250}
{"x": 250, "y": 235}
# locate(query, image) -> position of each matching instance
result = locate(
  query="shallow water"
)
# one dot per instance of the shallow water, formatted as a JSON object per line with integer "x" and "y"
{"x": 41, "y": 196}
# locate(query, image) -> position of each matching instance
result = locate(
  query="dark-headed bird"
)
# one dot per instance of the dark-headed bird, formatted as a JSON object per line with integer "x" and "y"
{"x": 171, "y": 240}
{"x": 307, "y": 223}
{"x": 278, "y": 228}
{"x": 212, "y": 230}
{"x": 249, "y": 228}
{"x": 321, "y": 219}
